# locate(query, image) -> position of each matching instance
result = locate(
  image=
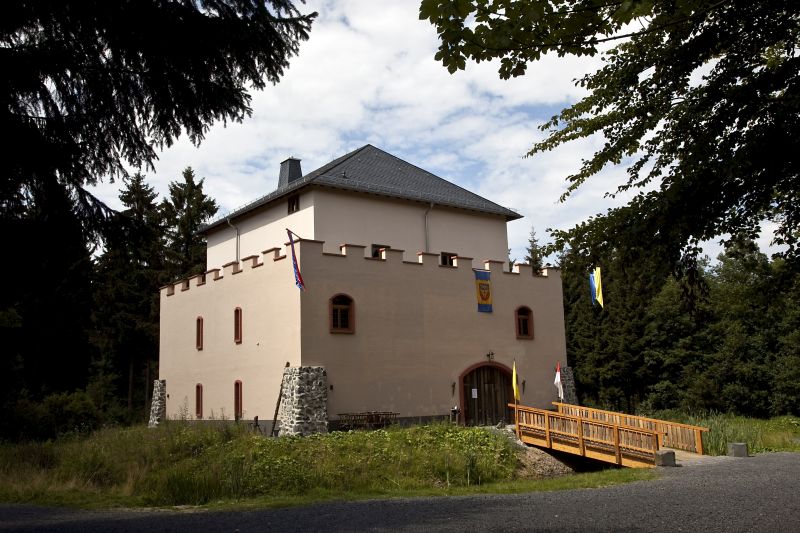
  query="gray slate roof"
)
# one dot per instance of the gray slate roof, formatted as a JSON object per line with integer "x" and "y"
{"x": 371, "y": 170}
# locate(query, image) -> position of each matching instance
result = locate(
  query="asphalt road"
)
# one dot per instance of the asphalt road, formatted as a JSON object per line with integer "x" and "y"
{"x": 759, "y": 493}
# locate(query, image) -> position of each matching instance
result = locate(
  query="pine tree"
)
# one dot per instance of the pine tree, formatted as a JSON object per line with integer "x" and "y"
{"x": 128, "y": 276}
{"x": 533, "y": 253}
{"x": 90, "y": 88}
{"x": 186, "y": 209}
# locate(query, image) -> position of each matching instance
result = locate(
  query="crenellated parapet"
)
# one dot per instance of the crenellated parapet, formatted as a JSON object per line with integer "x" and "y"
{"x": 312, "y": 251}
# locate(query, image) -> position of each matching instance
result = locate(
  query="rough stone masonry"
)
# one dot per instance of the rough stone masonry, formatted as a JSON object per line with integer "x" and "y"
{"x": 158, "y": 409}
{"x": 568, "y": 383}
{"x": 304, "y": 401}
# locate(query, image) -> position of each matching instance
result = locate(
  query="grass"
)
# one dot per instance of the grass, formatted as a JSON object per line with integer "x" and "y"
{"x": 223, "y": 466}
{"x": 776, "y": 434}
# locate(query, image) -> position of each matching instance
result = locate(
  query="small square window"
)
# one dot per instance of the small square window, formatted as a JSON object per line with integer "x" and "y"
{"x": 376, "y": 250}
{"x": 524, "y": 323}
{"x": 448, "y": 259}
{"x": 294, "y": 204}
{"x": 342, "y": 309}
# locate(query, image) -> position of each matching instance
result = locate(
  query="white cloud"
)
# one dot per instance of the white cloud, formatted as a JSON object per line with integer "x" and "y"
{"x": 368, "y": 74}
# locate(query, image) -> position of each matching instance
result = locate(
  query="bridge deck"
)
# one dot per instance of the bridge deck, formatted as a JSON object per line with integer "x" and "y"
{"x": 605, "y": 441}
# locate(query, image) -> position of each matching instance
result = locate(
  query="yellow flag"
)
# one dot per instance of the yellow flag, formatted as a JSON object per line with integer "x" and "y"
{"x": 514, "y": 381}
{"x": 598, "y": 286}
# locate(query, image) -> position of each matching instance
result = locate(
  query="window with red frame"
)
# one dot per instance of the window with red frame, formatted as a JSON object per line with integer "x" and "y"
{"x": 342, "y": 309}
{"x": 237, "y": 325}
{"x": 199, "y": 333}
{"x": 198, "y": 401}
{"x": 237, "y": 400}
{"x": 524, "y": 319}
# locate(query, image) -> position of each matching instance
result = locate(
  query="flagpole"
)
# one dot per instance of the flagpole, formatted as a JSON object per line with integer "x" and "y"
{"x": 516, "y": 411}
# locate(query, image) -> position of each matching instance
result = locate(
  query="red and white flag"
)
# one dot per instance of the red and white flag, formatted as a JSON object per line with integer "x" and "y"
{"x": 557, "y": 382}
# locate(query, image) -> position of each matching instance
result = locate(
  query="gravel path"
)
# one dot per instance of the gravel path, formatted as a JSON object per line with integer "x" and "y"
{"x": 726, "y": 495}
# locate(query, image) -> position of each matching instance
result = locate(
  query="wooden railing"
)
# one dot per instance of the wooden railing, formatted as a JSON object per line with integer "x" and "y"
{"x": 613, "y": 443}
{"x": 672, "y": 434}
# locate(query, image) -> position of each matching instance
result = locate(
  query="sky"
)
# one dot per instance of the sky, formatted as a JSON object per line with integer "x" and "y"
{"x": 367, "y": 74}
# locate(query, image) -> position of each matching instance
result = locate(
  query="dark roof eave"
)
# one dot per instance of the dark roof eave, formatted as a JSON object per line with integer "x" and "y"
{"x": 334, "y": 175}
{"x": 301, "y": 184}
{"x": 275, "y": 195}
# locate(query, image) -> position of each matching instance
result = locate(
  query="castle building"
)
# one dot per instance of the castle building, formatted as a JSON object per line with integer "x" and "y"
{"x": 409, "y": 306}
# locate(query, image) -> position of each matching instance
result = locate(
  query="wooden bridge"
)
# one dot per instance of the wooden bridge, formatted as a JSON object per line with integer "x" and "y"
{"x": 626, "y": 440}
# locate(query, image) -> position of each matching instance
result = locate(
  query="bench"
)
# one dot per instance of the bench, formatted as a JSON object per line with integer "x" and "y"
{"x": 366, "y": 420}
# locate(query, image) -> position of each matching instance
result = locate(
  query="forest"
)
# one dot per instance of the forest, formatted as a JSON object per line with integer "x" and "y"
{"x": 726, "y": 340}
{"x": 85, "y": 100}
{"x": 79, "y": 319}
{"x": 80, "y": 324}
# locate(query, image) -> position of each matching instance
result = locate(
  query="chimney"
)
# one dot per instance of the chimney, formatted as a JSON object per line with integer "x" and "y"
{"x": 290, "y": 171}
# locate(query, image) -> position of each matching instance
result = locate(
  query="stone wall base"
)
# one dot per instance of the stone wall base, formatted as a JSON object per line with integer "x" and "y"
{"x": 568, "y": 384}
{"x": 304, "y": 401}
{"x": 158, "y": 409}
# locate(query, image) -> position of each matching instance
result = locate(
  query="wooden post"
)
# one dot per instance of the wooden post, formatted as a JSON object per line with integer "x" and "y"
{"x": 580, "y": 437}
{"x": 616, "y": 445}
{"x": 698, "y": 441}
{"x": 547, "y": 430}
{"x": 278, "y": 405}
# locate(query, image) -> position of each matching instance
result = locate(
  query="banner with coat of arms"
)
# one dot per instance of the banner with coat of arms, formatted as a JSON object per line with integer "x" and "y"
{"x": 483, "y": 287}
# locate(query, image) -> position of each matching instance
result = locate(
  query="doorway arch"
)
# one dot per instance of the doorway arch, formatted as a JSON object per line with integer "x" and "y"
{"x": 491, "y": 382}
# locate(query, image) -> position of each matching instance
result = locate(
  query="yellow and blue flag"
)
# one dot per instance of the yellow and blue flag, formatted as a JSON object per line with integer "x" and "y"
{"x": 596, "y": 286}
{"x": 483, "y": 287}
{"x": 514, "y": 381}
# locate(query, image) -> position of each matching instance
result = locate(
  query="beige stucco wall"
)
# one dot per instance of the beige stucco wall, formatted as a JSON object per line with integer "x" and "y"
{"x": 264, "y": 229}
{"x": 352, "y": 218}
{"x": 418, "y": 330}
{"x": 337, "y": 217}
{"x": 270, "y": 305}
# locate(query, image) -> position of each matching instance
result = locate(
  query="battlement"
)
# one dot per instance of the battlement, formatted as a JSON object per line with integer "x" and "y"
{"x": 311, "y": 251}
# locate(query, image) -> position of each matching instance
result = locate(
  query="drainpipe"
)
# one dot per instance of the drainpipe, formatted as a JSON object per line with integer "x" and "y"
{"x": 427, "y": 245}
{"x": 237, "y": 237}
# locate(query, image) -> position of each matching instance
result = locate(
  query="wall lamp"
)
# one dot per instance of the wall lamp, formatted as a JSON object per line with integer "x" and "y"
{"x": 490, "y": 355}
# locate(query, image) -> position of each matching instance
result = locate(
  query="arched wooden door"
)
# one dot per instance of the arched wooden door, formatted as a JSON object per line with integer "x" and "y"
{"x": 486, "y": 394}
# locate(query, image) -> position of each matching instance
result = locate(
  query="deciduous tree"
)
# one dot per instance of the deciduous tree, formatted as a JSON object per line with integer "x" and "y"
{"x": 699, "y": 99}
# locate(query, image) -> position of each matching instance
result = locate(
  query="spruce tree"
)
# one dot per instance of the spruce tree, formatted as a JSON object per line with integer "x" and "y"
{"x": 534, "y": 253}
{"x": 185, "y": 211}
{"x": 128, "y": 276}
